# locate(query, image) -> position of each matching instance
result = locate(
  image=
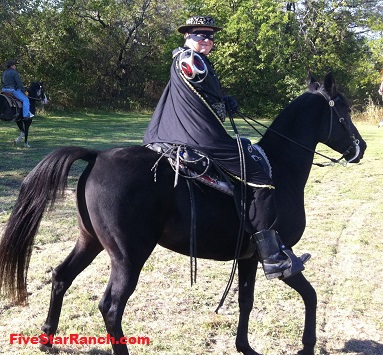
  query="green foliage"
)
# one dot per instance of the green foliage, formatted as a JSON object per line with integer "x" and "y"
{"x": 116, "y": 54}
{"x": 265, "y": 51}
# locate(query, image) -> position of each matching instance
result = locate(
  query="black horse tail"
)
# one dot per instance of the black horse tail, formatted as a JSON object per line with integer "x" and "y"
{"x": 42, "y": 186}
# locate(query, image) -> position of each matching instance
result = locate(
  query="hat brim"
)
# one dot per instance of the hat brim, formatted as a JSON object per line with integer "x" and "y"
{"x": 185, "y": 28}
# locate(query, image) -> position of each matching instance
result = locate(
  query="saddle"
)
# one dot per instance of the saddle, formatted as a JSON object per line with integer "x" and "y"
{"x": 15, "y": 106}
{"x": 191, "y": 163}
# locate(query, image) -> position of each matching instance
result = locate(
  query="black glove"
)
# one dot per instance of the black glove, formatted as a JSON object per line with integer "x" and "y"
{"x": 230, "y": 105}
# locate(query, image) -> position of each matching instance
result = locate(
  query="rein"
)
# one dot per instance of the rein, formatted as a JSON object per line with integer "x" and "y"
{"x": 193, "y": 236}
{"x": 241, "y": 230}
{"x": 333, "y": 160}
{"x": 342, "y": 121}
{"x": 34, "y": 98}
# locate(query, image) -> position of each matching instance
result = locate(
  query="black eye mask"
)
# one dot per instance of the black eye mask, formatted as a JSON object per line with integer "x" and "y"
{"x": 200, "y": 35}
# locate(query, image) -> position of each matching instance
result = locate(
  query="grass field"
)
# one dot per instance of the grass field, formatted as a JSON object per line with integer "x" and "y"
{"x": 344, "y": 231}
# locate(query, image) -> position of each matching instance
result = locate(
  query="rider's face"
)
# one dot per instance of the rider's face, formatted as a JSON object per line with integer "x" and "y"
{"x": 201, "y": 39}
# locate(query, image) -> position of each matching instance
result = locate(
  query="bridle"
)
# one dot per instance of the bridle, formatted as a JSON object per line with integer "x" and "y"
{"x": 341, "y": 120}
{"x": 39, "y": 95}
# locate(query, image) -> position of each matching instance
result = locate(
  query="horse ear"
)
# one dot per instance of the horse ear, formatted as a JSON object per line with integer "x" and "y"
{"x": 312, "y": 83}
{"x": 330, "y": 85}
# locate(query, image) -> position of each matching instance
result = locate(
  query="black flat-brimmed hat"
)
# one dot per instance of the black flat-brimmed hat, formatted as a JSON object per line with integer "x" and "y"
{"x": 11, "y": 62}
{"x": 199, "y": 21}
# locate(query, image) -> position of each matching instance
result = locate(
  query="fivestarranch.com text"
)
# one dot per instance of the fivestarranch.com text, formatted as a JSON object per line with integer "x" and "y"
{"x": 75, "y": 339}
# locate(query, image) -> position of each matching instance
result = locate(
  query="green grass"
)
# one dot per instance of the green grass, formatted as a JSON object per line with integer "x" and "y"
{"x": 344, "y": 231}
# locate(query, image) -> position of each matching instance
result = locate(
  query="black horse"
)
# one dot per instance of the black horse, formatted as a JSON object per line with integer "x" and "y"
{"x": 124, "y": 210}
{"x": 11, "y": 109}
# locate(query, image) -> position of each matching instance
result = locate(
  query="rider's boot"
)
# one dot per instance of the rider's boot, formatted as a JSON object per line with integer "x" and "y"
{"x": 277, "y": 260}
{"x": 30, "y": 115}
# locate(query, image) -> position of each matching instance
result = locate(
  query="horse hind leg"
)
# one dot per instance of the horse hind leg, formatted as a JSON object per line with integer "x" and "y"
{"x": 121, "y": 285}
{"x": 126, "y": 265}
{"x": 20, "y": 137}
{"x": 23, "y": 134}
{"x": 26, "y": 124}
{"x": 17, "y": 140}
{"x": 84, "y": 252}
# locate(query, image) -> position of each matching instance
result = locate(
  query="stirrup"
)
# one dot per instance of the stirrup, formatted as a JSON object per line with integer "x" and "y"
{"x": 296, "y": 264}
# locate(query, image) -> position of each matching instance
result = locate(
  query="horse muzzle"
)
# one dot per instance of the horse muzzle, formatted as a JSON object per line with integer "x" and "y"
{"x": 355, "y": 152}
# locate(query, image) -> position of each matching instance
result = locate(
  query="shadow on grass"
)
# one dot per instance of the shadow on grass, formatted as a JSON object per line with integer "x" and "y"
{"x": 55, "y": 350}
{"x": 365, "y": 347}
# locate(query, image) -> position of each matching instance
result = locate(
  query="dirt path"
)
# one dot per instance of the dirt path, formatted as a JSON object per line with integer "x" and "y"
{"x": 348, "y": 254}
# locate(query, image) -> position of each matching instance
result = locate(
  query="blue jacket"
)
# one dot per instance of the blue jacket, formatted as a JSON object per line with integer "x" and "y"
{"x": 11, "y": 80}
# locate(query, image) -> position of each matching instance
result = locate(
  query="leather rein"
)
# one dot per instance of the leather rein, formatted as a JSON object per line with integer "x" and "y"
{"x": 341, "y": 120}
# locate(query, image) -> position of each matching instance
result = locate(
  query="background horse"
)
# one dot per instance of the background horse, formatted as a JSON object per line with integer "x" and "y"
{"x": 126, "y": 210}
{"x": 14, "y": 112}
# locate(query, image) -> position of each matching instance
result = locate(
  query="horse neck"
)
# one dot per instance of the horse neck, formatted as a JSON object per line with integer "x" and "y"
{"x": 32, "y": 96}
{"x": 291, "y": 163}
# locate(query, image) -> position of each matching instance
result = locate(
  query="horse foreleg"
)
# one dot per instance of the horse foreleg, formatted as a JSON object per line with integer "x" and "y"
{"x": 81, "y": 256}
{"x": 247, "y": 270}
{"x": 308, "y": 294}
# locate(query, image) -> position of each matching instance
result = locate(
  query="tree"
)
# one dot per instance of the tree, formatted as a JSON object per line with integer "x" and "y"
{"x": 117, "y": 53}
{"x": 105, "y": 53}
{"x": 110, "y": 49}
{"x": 268, "y": 47}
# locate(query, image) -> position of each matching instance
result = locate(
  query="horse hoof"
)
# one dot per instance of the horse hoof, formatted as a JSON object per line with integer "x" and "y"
{"x": 48, "y": 349}
{"x": 27, "y": 145}
{"x": 14, "y": 142}
{"x": 306, "y": 352}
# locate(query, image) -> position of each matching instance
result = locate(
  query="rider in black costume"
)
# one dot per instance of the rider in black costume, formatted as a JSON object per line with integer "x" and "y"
{"x": 191, "y": 111}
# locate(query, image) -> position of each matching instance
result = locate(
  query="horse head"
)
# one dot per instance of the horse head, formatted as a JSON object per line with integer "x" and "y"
{"x": 36, "y": 92}
{"x": 340, "y": 134}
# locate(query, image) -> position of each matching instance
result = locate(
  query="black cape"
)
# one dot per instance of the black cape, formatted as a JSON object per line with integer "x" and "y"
{"x": 186, "y": 114}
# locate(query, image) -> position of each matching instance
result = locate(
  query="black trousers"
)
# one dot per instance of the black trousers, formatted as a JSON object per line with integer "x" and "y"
{"x": 260, "y": 210}
{"x": 231, "y": 161}
{"x": 260, "y": 201}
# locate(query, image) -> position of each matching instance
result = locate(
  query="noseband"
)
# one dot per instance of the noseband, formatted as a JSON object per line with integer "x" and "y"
{"x": 342, "y": 121}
